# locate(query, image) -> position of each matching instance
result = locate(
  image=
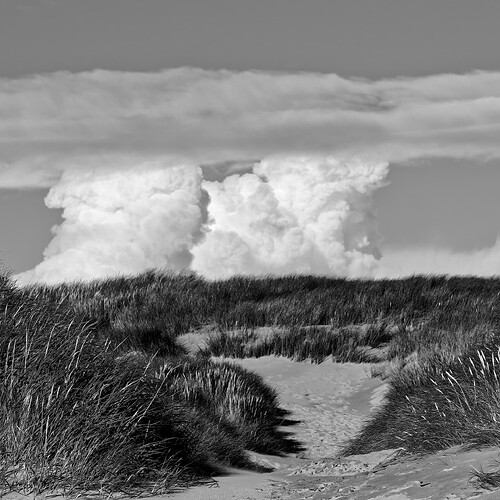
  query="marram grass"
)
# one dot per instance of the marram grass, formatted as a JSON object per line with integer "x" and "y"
{"x": 448, "y": 404}
{"x": 98, "y": 393}
{"x": 76, "y": 413}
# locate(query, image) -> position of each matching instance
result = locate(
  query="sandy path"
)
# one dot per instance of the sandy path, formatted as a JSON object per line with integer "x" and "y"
{"x": 331, "y": 400}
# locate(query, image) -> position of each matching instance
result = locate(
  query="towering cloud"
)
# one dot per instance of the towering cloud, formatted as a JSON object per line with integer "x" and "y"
{"x": 293, "y": 214}
{"x": 121, "y": 154}
{"x": 122, "y": 222}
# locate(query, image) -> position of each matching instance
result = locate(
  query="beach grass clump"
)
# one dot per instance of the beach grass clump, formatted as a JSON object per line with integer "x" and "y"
{"x": 73, "y": 415}
{"x": 314, "y": 343}
{"x": 128, "y": 311}
{"x": 447, "y": 404}
{"x": 149, "y": 311}
{"x": 239, "y": 399}
{"x": 173, "y": 304}
{"x": 486, "y": 479}
{"x": 77, "y": 414}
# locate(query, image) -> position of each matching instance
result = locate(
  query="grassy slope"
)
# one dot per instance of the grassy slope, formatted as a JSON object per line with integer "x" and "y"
{"x": 78, "y": 412}
{"x": 443, "y": 390}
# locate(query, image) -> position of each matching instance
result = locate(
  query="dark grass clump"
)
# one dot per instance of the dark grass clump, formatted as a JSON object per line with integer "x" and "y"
{"x": 239, "y": 398}
{"x": 442, "y": 405}
{"x": 143, "y": 313}
{"x": 78, "y": 415}
{"x": 486, "y": 479}
{"x": 140, "y": 335}
{"x": 300, "y": 343}
{"x": 70, "y": 415}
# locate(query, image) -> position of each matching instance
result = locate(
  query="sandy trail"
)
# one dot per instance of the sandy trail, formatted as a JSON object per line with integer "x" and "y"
{"x": 332, "y": 400}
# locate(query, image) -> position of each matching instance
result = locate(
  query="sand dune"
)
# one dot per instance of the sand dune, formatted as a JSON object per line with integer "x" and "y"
{"x": 332, "y": 400}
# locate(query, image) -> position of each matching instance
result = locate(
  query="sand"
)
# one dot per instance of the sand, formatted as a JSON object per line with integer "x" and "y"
{"x": 332, "y": 400}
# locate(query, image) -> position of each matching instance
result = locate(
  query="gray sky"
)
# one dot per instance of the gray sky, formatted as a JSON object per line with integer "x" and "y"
{"x": 448, "y": 203}
{"x": 366, "y": 38}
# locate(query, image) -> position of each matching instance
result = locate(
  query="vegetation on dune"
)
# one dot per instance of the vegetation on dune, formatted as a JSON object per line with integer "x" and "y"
{"x": 416, "y": 314}
{"x": 314, "y": 343}
{"x": 179, "y": 303}
{"x": 446, "y": 405}
{"x": 239, "y": 398}
{"x": 99, "y": 393}
{"x": 77, "y": 413}
{"x": 70, "y": 414}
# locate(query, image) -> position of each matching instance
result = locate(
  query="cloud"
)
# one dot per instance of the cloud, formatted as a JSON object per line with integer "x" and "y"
{"x": 291, "y": 161}
{"x": 219, "y": 116}
{"x": 293, "y": 215}
{"x": 123, "y": 222}
{"x": 399, "y": 262}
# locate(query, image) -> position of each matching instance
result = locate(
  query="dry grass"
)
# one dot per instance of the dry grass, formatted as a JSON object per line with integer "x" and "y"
{"x": 313, "y": 343}
{"x": 441, "y": 405}
{"x": 79, "y": 410}
{"x": 76, "y": 413}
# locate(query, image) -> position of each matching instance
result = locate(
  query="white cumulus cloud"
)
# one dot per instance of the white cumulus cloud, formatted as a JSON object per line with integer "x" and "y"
{"x": 123, "y": 155}
{"x": 291, "y": 215}
{"x": 122, "y": 222}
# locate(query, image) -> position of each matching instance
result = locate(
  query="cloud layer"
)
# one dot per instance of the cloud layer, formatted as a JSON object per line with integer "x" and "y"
{"x": 48, "y": 122}
{"x": 124, "y": 153}
{"x": 397, "y": 262}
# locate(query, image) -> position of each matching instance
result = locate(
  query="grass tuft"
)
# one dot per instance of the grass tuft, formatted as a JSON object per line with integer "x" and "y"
{"x": 442, "y": 405}
{"x": 300, "y": 343}
{"x": 486, "y": 479}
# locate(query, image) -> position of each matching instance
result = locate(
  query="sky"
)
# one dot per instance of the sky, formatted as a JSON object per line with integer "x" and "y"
{"x": 178, "y": 134}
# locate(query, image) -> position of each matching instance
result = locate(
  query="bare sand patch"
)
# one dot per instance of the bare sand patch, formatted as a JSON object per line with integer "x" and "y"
{"x": 330, "y": 401}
